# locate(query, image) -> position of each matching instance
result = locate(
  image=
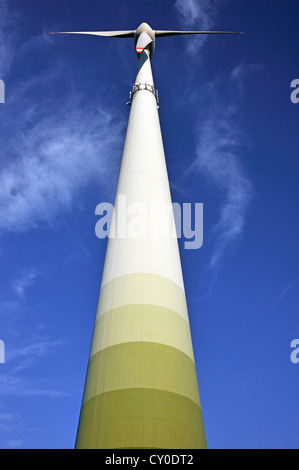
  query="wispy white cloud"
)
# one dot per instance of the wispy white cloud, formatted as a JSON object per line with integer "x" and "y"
{"x": 52, "y": 147}
{"x": 23, "y": 357}
{"x": 285, "y": 291}
{"x": 14, "y": 444}
{"x": 8, "y": 421}
{"x": 53, "y": 157}
{"x": 13, "y": 425}
{"x": 219, "y": 137}
{"x": 24, "y": 281}
{"x": 218, "y": 161}
{"x": 16, "y": 383}
{"x": 10, "y": 308}
{"x": 193, "y": 11}
{"x": 200, "y": 15}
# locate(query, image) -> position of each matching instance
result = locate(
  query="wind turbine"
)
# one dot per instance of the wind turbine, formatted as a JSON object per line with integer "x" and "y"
{"x": 141, "y": 387}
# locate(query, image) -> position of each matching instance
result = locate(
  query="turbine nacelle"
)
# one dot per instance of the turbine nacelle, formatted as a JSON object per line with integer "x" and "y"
{"x": 144, "y": 38}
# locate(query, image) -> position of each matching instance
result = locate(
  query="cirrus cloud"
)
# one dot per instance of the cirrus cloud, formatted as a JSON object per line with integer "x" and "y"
{"x": 199, "y": 14}
{"x": 52, "y": 156}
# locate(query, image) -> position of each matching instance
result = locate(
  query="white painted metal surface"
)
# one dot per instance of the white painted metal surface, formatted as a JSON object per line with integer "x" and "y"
{"x": 143, "y": 180}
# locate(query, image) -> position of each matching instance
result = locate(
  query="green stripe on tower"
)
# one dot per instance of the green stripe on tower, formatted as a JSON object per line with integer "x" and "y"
{"x": 141, "y": 365}
{"x": 142, "y": 288}
{"x": 141, "y": 394}
{"x": 140, "y": 418}
{"x": 139, "y": 322}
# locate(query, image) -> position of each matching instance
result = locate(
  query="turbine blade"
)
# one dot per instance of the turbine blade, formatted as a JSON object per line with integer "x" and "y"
{"x": 116, "y": 34}
{"x": 175, "y": 33}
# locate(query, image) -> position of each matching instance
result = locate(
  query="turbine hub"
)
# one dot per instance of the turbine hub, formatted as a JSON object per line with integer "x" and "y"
{"x": 144, "y": 39}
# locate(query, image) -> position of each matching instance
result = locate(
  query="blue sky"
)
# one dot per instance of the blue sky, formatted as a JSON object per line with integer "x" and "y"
{"x": 231, "y": 141}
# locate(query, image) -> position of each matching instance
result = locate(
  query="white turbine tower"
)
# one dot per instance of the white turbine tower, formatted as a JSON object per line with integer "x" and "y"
{"x": 141, "y": 388}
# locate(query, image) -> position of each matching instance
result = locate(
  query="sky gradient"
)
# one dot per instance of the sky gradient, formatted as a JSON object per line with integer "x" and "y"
{"x": 230, "y": 134}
